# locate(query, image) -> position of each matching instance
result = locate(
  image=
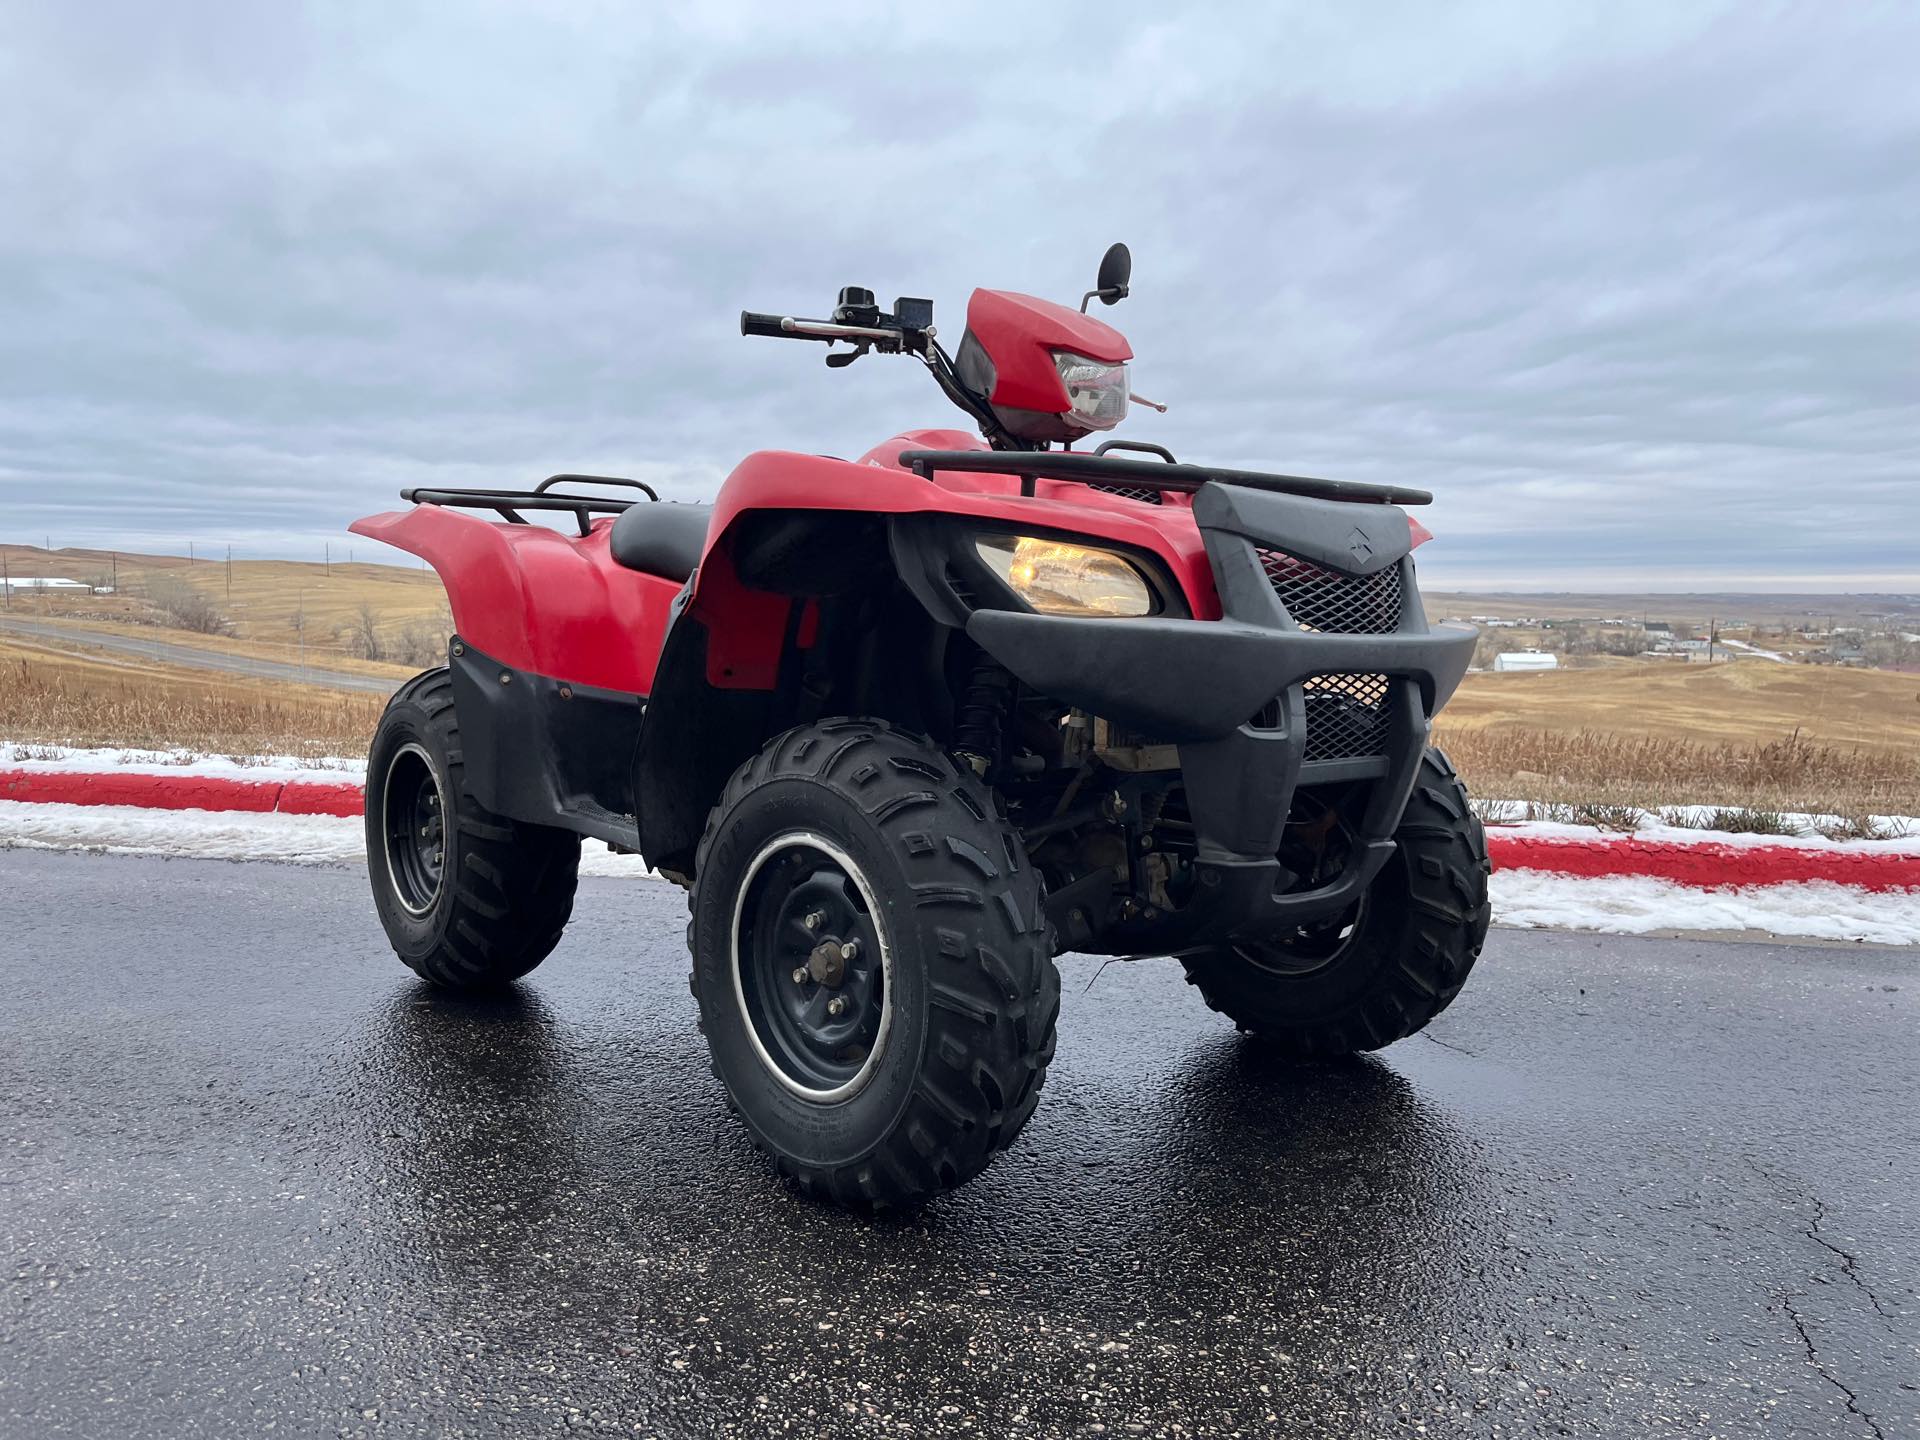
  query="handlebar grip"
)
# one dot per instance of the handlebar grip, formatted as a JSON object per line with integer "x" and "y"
{"x": 753, "y": 323}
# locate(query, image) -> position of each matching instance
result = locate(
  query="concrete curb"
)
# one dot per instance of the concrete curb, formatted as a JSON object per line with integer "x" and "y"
{"x": 181, "y": 792}
{"x": 1704, "y": 864}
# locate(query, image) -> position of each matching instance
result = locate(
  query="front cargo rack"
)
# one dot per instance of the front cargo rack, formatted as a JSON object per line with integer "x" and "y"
{"x": 509, "y": 503}
{"x": 1030, "y": 465}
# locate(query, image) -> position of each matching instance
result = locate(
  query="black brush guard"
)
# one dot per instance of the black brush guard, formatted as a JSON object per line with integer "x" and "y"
{"x": 1235, "y": 696}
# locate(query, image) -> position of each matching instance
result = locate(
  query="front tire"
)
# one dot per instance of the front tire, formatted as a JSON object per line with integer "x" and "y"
{"x": 470, "y": 900}
{"x": 872, "y": 964}
{"x": 1382, "y": 973}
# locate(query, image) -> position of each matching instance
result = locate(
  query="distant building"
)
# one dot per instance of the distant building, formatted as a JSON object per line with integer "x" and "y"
{"x": 1526, "y": 660}
{"x": 42, "y": 582}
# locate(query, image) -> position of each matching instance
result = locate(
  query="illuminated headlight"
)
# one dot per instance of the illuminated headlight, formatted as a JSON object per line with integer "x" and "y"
{"x": 1096, "y": 389}
{"x": 1060, "y": 579}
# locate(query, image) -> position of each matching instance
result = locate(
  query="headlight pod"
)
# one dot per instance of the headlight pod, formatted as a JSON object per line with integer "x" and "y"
{"x": 1096, "y": 389}
{"x": 1056, "y": 578}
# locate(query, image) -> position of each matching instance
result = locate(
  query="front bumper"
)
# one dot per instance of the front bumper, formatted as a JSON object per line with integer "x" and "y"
{"x": 1234, "y": 695}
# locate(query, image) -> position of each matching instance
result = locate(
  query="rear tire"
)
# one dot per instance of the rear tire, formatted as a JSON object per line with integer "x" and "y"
{"x": 872, "y": 964}
{"x": 1415, "y": 937}
{"x": 470, "y": 900}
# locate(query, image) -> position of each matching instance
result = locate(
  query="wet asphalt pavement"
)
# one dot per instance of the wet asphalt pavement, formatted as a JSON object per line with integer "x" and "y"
{"x": 256, "y": 1181}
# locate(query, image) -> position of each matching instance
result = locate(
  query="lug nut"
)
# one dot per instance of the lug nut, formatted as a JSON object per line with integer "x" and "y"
{"x": 799, "y": 974}
{"x": 837, "y": 1005}
{"x": 814, "y": 920}
{"x": 850, "y": 949}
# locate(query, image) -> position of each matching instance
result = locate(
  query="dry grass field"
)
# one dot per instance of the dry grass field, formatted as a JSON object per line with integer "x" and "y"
{"x": 53, "y": 694}
{"x": 271, "y": 601}
{"x": 1745, "y": 700}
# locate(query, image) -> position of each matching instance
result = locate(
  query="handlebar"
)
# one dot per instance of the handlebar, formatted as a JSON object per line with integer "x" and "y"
{"x": 907, "y": 330}
{"x": 769, "y": 326}
{"x": 790, "y": 327}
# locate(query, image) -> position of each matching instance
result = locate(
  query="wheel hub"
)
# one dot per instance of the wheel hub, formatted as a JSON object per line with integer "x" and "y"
{"x": 827, "y": 964}
{"x": 811, "y": 967}
{"x": 415, "y": 828}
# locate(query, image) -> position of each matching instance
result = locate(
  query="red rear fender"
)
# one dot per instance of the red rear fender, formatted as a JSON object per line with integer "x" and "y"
{"x": 536, "y": 599}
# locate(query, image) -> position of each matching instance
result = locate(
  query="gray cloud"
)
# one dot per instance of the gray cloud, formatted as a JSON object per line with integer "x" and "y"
{"x": 1637, "y": 292}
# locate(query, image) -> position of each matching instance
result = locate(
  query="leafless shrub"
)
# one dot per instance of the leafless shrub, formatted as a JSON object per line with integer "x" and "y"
{"x": 363, "y": 635}
{"x": 186, "y": 607}
{"x": 421, "y": 642}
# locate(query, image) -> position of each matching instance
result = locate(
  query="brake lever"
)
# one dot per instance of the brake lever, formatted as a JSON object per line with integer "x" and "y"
{"x": 840, "y": 359}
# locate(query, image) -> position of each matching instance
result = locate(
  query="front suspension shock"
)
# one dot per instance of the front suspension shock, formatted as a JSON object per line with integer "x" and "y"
{"x": 981, "y": 714}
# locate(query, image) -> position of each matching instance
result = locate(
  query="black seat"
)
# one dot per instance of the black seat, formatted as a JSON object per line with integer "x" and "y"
{"x": 661, "y": 539}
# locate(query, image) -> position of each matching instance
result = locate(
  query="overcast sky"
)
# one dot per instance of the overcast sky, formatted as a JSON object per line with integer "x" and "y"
{"x": 1634, "y": 289}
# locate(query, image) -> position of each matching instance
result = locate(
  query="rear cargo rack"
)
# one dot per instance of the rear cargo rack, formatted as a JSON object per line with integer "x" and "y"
{"x": 1030, "y": 465}
{"x": 509, "y": 503}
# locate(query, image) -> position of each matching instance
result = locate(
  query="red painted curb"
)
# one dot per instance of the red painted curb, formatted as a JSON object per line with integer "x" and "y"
{"x": 182, "y": 792}
{"x": 321, "y": 797}
{"x": 1705, "y": 863}
{"x": 157, "y": 792}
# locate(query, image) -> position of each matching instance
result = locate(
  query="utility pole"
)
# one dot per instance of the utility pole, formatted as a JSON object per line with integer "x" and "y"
{"x": 327, "y": 559}
{"x": 114, "y": 557}
{"x": 189, "y": 554}
{"x": 229, "y": 574}
{"x": 6, "y": 580}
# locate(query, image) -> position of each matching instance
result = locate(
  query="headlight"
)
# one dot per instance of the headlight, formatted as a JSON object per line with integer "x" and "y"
{"x": 1096, "y": 389}
{"x": 1061, "y": 579}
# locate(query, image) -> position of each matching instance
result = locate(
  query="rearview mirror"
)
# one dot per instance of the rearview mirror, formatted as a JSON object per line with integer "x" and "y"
{"x": 1116, "y": 274}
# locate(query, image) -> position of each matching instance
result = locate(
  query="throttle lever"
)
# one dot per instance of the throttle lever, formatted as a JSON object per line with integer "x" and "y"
{"x": 840, "y": 359}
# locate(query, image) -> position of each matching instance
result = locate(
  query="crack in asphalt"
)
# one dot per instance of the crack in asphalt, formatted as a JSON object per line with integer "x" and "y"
{"x": 1785, "y": 1300}
{"x": 1847, "y": 1259}
{"x": 1849, "y": 1263}
{"x": 1448, "y": 1044}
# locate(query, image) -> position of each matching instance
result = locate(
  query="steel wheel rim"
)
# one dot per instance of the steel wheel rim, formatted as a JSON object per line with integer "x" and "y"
{"x": 813, "y": 1054}
{"x": 413, "y": 825}
{"x": 1311, "y": 948}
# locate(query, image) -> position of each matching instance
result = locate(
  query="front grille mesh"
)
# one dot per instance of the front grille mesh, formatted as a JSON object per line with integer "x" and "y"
{"x": 1141, "y": 493}
{"x": 1332, "y": 603}
{"x": 1346, "y": 716}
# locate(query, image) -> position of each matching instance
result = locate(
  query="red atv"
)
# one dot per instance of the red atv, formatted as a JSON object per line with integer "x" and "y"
{"x": 908, "y": 726}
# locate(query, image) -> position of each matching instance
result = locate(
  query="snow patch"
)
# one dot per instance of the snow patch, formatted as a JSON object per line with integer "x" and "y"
{"x": 223, "y": 835}
{"x": 1637, "y": 905}
{"x": 1683, "y": 825}
{"x": 24, "y": 755}
{"x": 1908, "y": 844}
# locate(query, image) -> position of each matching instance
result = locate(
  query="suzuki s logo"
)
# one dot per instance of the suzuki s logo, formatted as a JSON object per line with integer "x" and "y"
{"x": 1359, "y": 546}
